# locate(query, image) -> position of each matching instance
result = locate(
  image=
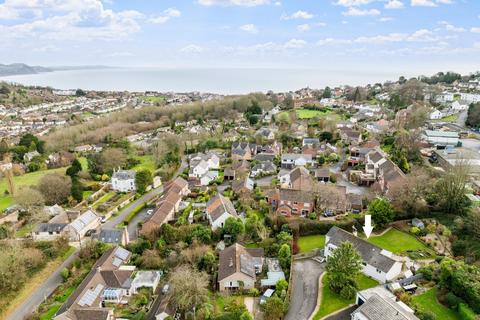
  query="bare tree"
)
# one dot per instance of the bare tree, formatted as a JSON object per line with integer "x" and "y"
{"x": 452, "y": 186}
{"x": 55, "y": 188}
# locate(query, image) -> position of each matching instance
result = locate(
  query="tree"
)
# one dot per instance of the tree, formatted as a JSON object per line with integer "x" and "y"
{"x": 451, "y": 188}
{"x": 288, "y": 102}
{"x": 74, "y": 169}
{"x": 30, "y": 199}
{"x": 254, "y": 228}
{"x": 473, "y": 115}
{"x": 274, "y": 308}
{"x": 327, "y": 93}
{"x": 55, "y": 188}
{"x": 143, "y": 179}
{"x": 326, "y": 136}
{"x": 77, "y": 189}
{"x": 408, "y": 195}
{"x": 189, "y": 288}
{"x": 28, "y": 140}
{"x": 246, "y": 316}
{"x": 343, "y": 266}
{"x": 233, "y": 227}
{"x": 284, "y": 256}
{"x": 382, "y": 212}
{"x": 80, "y": 93}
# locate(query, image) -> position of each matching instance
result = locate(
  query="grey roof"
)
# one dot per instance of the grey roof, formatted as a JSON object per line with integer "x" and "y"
{"x": 264, "y": 157}
{"x": 311, "y": 141}
{"x": 237, "y": 258}
{"x": 147, "y": 276}
{"x": 443, "y": 134}
{"x": 266, "y": 166}
{"x": 379, "y": 308}
{"x": 295, "y": 156}
{"x": 296, "y": 196}
{"x": 218, "y": 205}
{"x": 124, "y": 175}
{"x": 375, "y": 156}
{"x": 109, "y": 235}
{"x": 50, "y": 227}
{"x": 83, "y": 220}
{"x": 370, "y": 253}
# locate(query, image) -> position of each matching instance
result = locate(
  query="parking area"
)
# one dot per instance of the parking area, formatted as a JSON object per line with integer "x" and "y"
{"x": 305, "y": 274}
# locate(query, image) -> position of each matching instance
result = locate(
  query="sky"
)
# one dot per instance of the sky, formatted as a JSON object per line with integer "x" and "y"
{"x": 413, "y": 36}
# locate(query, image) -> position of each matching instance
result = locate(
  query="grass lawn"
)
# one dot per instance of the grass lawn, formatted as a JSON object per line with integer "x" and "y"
{"x": 398, "y": 242}
{"x": 219, "y": 302}
{"x": 308, "y": 243}
{"x": 27, "y": 179}
{"x": 51, "y": 312}
{"x": 147, "y": 162}
{"x": 154, "y": 99}
{"x": 332, "y": 302}
{"x": 309, "y": 114}
{"x": 450, "y": 118}
{"x": 104, "y": 199}
{"x": 33, "y": 283}
{"x": 428, "y": 302}
{"x": 25, "y": 230}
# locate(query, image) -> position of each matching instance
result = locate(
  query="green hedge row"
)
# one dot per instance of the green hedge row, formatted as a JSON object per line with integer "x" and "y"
{"x": 133, "y": 213}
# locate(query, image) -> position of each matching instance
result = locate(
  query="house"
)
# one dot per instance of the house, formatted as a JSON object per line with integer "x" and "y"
{"x": 322, "y": 175}
{"x": 243, "y": 186}
{"x": 450, "y": 157}
{"x": 264, "y": 157}
{"x": 241, "y": 168}
{"x": 441, "y": 139}
{"x": 219, "y": 209}
{"x": 123, "y": 180}
{"x": 265, "y": 133}
{"x": 310, "y": 142}
{"x": 165, "y": 211}
{"x": 83, "y": 148}
{"x": 357, "y": 155}
{"x": 298, "y": 179}
{"x": 380, "y": 171}
{"x": 378, "y": 303}
{"x": 208, "y": 177}
{"x": 435, "y": 115}
{"x": 243, "y": 151}
{"x": 378, "y": 263}
{"x": 273, "y": 148}
{"x": 290, "y": 202}
{"x": 238, "y": 267}
{"x": 458, "y": 107}
{"x": 292, "y": 160}
{"x": 263, "y": 168}
{"x": 350, "y": 136}
{"x": 54, "y": 210}
{"x": 145, "y": 279}
{"x": 113, "y": 236}
{"x": 109, "y": 281}
{"x": 27, "y": 157}
{"x": 179, "y": 186}
{"x": 201, "y": 163}
{"x": 77, "y": 228}
{"x": 331, "y": 198}
{"x": 228, "y": 174}
{"x": 48, "y": 231}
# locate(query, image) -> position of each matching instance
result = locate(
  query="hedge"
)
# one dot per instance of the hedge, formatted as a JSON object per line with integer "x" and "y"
{"x": 465, "y": 312}
{"x": 133, "y": 213}
{"x": 311, "y": 227}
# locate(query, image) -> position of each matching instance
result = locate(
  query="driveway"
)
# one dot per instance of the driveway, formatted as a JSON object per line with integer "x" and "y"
{"x": 343, "y": 315}
{"x": 42, "y": 292}
{"x": 305, "y": 289}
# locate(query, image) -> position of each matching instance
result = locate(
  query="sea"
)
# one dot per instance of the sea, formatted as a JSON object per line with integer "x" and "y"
{"x": 212, "y": 80}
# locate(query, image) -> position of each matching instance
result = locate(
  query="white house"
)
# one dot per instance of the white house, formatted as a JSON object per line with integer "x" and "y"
{"x": 123, "y": 181}
{"x": 208, "y": 177}
{"x": 435, "y": 115}
{"x": 202, "y": 166}
{"x": 441, "y": 138}
{"x": 457, "y": 106}
{"x": 219, "y": 209}
{"x": 48, "y": 231}
{"x": 378, "y": 263}
{"x": 291, "y": 160}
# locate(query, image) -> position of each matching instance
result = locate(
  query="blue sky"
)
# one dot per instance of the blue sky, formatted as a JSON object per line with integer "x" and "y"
{"x": 415, "y": 36}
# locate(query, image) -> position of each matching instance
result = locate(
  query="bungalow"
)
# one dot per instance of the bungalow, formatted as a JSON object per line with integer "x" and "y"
{"x": 263, "y": 157}
{"x": 48, "y": 231}
{"x": 291, "y": 160}
{"x": 83, "y": 148}
{"x": 441, "y": 139}
{"x": 435, "y": 115}
{"x": 208, "y": 177}
{"x": 27, "y": 157}
{"x": 219, "y": 209}
{"x": 378, "y": 263}
{"x": 310, "y": 142}
{"x": 265, "y": 133}
{"x": 265, "y": 168}
{"x": 238, "y": 267}
{"x": 113, "y": 236}
{"x": 289, "y": 202}
{"x": 77, "y": 229}
{"x": 123, "y": 180}
{"x": 243, "y": 186}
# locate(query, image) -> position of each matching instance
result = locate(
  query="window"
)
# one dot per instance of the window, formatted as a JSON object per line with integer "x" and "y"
{"x": 379, "y": 271}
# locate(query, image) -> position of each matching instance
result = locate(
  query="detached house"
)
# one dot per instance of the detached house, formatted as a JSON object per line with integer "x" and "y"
{"x": 351, "y": 136}
{"x": 238, "y": 267}
{"x": 202, "y": 166}
{"x": 243, "y": 151}
{"x": 219, "y": 209}
{"x": 378, "y": 263}
{"x": 123, "y": 180}
{"x": 298, "y": 179}
{"x": 292, "y": 160}
{"x": 77, "y": 229}
{"x": 289, "y": 202}
{"x": 265, "y": 133}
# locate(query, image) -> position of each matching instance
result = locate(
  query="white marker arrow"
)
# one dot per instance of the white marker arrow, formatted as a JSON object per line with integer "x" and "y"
{"x": 368, "y": 228}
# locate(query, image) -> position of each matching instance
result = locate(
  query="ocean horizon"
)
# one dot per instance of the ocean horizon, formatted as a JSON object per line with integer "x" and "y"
{"x": 213, "y": 80}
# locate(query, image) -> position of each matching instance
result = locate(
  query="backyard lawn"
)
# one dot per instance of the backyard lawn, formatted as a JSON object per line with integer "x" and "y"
{"x": 332, "y": 302}
{"x": 147, "y": 162}
{"x": 428, "y": 302}
{"x": 308, "y": 243}
{"x": 399, "y": 242}
{"x": 309, "y": 114}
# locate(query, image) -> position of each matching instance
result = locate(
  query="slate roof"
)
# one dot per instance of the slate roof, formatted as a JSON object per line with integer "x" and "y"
{"x": 117, "y": 278}
{"x": 370, "y": 253}
{"x": 109, "y": 235}
{"x": 50, "y": 227}
{"x": 375, "y": 156}
{"x": 264, "y": 157}
{"x": 83, "y": 220}
{"x": 296, "y": 196}
{"x": 124, "y": 175}
{"x": 218, "y": 205}
{"x": 237, "y": 258}
{"x": 379, "y": 308}
{"x": 91, "y": 314}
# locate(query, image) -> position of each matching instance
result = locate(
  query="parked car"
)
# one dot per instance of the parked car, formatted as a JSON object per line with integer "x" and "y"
{"x": 104, "y": 219}
{"x": 165, "y": 288}
{"x": 149, "y": 212}
{"x": 328, "y": 213}
{"x": 90, "y": 232}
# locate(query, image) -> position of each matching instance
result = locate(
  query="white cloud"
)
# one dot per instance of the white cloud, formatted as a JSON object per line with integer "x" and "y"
{"x": 165, "y": 16}
{"x": 385, "y": 19}
{"x": 243, "y": 3}
{"x": 355, "y": 12}
{"x": 120, "y": 54}
{"x": 445, "y": 1}
{"x": 192, "y": 48}
{"x": 294, "y": 44}
{"x": 250, "y": 28}
{"x": 352, "y": 3}
{"x": 304, "y": 27}
{"x": 394, "y": 4}
{"x": 476, "y": 45}
{"x": 452, "y": 28}
{"x": 475, "y": 30}
{"x": 423, "y": 3}
{"x": 332, "y": 41}
{"x": 278, "y": 3}
{"x": 300, "y": 14}
{"x": 422, "y": 35}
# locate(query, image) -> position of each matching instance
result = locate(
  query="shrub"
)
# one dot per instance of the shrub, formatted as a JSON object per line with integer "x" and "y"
{"x": 427, "y": 315}
{"x": 465, "y": 312}
{"x": 452, "y": 300}
{"x": 65, "y": 273}
{"x": 348, "y": 292}
{"x": 415, "y": 230}
{"x": 253, "y": 292}
{"x": 427, "y": 272}
{"x": 459, "y": 248}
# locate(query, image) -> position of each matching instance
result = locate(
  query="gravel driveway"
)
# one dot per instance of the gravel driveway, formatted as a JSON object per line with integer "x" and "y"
{"x": 305, "y": 289}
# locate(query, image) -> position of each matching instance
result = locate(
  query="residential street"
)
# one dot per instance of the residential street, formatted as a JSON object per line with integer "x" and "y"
{"x": 42, "y": 292}
{"x": 305, "y": 289}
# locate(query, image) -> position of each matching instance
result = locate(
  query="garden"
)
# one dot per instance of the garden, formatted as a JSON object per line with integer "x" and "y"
{"x": 401, "y": 243}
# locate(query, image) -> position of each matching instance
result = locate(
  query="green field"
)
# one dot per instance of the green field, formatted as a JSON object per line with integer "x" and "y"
{"x": 27, "y": 179}
{"x": 450, "y": 118}
{"x": 398, "y": 242}
{"x": 154, "y": 99}
{"x": 304, "y": 114}
{"x": 428, "y": 302}
{"x": 147, "y": 162}
{"x": 308, "y": 243}
{"x": 332, "y": 302}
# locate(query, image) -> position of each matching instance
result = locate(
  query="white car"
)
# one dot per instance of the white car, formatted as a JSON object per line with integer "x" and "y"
{"x": 103, "y": 220}
{"x": 149, "y": 212}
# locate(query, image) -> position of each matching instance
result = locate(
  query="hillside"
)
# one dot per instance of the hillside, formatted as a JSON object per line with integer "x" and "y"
{"x": 20, "y": 68}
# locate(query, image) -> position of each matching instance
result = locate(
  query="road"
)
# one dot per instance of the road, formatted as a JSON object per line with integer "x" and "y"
{"x": 305, "y": 289}
{"x": 45, "y": 290}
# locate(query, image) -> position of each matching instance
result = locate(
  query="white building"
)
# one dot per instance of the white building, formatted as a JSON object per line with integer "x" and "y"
{"x": 441, "y": 138}
{"x": 291, "y": 160}
{"x": 435, "y": 115}
{"x": 123, "y": 181}
{"x": 145, "y": 279}
{"x": 219, "y": 209}
{"x": 378, "y": 263}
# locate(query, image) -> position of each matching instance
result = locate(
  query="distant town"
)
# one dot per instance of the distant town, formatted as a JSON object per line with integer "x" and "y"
{"x": 335, "y": 203}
